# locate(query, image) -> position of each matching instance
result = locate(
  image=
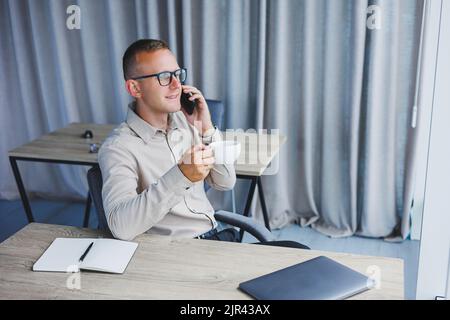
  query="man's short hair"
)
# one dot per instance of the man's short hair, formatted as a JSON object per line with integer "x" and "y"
{"x": 143, "y": 45}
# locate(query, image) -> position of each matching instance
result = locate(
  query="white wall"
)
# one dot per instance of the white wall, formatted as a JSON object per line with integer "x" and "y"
{"x": 435, "y": 236}
{"x": 424, "y": 104}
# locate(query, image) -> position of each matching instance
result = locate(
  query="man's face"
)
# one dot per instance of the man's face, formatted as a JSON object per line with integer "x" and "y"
{"x": 158, "y": 98}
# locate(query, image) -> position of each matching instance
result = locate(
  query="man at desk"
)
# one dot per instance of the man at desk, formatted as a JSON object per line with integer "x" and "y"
{"x": 155, "y": 163}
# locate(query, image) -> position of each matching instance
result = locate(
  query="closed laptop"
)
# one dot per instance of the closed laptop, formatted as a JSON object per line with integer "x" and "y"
{"x": 320, "y": 278}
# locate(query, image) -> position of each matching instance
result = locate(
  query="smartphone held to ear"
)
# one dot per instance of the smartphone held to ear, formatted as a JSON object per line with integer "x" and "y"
{"x": 187, "y": 104}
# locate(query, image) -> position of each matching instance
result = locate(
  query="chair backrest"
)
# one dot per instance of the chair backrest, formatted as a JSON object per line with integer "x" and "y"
{"x": 95, "y": 182}
{"x": 216, "y": 109}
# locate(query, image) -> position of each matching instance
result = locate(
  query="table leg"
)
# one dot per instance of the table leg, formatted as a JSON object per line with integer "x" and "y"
{"x": 256, "y": 181}
{"x": 263, "y": 203}
{"x": 87, "y": 211}
{"x": 22, "y": 192}
{"x": 251, "y": 192}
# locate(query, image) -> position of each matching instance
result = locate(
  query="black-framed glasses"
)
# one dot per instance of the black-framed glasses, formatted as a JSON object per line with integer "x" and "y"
{"x": 165, "y": 77}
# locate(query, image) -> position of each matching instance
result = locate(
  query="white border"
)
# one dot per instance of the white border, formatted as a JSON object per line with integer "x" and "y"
{"x": 435, "y": 236}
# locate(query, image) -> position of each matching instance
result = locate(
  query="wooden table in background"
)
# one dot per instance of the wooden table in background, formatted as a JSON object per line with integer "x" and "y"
{"x": 67, "y": 146}
{"x": 163, "y": 268}
{"x": 64, "y": 146}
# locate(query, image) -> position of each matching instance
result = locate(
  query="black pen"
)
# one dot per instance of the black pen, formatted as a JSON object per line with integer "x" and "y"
{"x": 86, "y": 252}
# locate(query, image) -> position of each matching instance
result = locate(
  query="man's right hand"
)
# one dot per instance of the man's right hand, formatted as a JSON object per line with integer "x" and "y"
{"x": 197, "y": 162}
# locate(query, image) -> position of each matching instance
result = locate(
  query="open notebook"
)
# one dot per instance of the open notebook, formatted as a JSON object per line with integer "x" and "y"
{"x": 105, "y": 255}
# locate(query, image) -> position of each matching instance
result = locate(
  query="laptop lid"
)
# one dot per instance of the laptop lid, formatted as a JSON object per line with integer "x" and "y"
{"x": 320, "y": 278}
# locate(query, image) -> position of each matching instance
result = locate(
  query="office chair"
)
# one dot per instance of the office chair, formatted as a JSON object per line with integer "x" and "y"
{"x": 216, "y": 109}
{"x": 95, "y": 182}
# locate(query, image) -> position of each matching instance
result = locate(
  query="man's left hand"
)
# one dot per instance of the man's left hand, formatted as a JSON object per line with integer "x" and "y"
{"x": 201, "y": 118}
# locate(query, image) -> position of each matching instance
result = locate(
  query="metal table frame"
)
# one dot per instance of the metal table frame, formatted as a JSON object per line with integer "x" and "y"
{"x": 23, "y": 195}
{"x": 255, "y": 181}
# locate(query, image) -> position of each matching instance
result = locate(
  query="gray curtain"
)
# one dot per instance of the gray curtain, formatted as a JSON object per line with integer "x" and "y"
{"x": 340, "y": 91}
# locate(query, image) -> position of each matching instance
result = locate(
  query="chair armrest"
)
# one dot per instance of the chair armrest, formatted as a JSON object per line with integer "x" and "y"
{"x": 247, "y": 224}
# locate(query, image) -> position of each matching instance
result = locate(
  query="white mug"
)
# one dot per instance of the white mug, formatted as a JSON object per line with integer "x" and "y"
{"x": 226, "y": 152}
